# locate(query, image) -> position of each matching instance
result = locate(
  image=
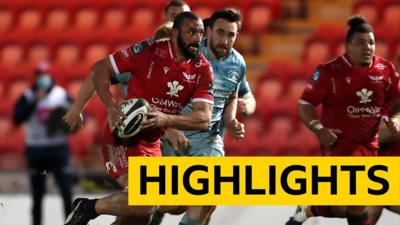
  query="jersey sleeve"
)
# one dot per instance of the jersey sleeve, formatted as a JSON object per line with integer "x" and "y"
{"x": 394, "y": 89}
{"x": 121, "y": 78}
{"x": 244, "y": 87}
{"x": 317, "y": 89}
{"x": 204, "y": 88}
{"x": 127, "y": 60}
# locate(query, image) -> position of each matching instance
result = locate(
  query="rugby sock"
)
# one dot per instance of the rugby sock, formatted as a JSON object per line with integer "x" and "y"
{"x": 89, "y": 208}
{"x": 157, "y": 218}
{"x": 325, "y": 211}
{"x": 207, "y": 221}
{"x": 358, "y": 220}
{"x": 188, "y": 221}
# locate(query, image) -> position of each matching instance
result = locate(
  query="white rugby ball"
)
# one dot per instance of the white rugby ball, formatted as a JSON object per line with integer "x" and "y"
{"x": 135, "y": 111}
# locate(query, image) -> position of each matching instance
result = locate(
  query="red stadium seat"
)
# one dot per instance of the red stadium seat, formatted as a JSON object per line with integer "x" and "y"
{"x": 11, "y": 54}
{"x": 316, "y": 51}
{"x": 391, "y": 15}
{"x": 86, "y": 17}
{"x": 57, "y": 18}
{"x": 38, "y": 52}
{"x": 67, "y": 53}
{"x": 6, "y": 19}
{"x": 29, "y": 18}
{"x": 369, "y": 9}
{"x": 95, "y": 51}
{"x": 17, "y": 88}
{"x": 203, "y": 10}
{"x": 143, "y": 17}
{"x": 114, "y": 16}
{"x": 259, "y": 18}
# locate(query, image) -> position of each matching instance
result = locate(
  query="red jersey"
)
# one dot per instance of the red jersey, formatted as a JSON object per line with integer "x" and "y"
{"x": 353, "y": 98}
{"x": 166, "y": 84}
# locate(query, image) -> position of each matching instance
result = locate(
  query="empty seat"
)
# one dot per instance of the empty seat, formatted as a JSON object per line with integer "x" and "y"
{"x": 57, "y": 18}
{"x": 67, "y": 53}
{"x": 391, "y": 14}
{"x": 259, "y": 18}
{"x": 86, "y": 17}
{"x": 29, "y": 18}
{"x": 95, "y": 51}
{"x": 203, "y": 11}
{"x": 114, "y": 16}
{"x": 38, "y": 52}
{"x": 11, "y": 54}
{"x": 316, "y": 51}
{"x": 369, "y": 9}
{"x": 6, "y": 19}
{"x": 143, "y": 17}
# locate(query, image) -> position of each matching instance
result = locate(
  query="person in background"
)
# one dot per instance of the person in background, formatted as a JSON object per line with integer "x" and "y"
{"x": 41, "y": 108}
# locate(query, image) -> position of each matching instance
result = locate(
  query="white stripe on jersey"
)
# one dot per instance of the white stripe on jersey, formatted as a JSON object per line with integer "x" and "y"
{"x": 114, "y": 64}
{"x": 302, "y": 102}
{"x": 203, "y": 100}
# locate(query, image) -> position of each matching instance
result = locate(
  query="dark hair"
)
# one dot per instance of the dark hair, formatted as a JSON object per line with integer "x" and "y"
{"x": 206, "y": 22}
{"x": 183, "y": 15}
{"x": 357, "y": 24}
{"x": 174, "y": 3}
{"x": 230, "y": 14}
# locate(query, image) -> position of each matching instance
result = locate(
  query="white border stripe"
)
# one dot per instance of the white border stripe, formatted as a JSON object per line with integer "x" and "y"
{"x": 348, "y": 63}
{"x": 170, "y": 50}
{"x": 302, "y": 102}
{"x": 203, "y": 100}
{"x": 114, "y": 64}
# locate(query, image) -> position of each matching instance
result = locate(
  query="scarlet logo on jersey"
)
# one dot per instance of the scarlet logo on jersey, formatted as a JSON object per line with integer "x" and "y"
{"x": 174, "y": 88}
{"x": 364, "y": 94}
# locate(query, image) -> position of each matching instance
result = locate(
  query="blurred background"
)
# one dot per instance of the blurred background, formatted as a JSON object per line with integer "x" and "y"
{"x": 282, "y": 42}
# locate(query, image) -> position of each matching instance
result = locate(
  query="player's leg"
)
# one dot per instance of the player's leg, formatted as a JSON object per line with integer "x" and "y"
{"x": 357, "y": 215}
{"x": 37, "y": 178}
{"x": 63, "y": 177}
{"x": 196, "y": 215}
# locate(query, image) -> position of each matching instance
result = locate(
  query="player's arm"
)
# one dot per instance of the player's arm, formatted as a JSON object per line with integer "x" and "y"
{"x": 198, "y": 119}
{"x": 73, "y": 118}
{"x": 102, "y": 72}
{"x": 234, "y": 127}
{"x": 246, "y": 101}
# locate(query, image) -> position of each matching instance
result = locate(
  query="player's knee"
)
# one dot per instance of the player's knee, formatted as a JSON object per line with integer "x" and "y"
{"x": 143, "y": 212}
{"x": 356, "y": 210}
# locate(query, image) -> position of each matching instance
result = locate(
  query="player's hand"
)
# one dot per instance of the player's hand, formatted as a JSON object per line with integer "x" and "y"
{"x": 394, "y": 126}
{"x": 115, "y": 117}
{"x": 236, "y": 129}
{"x": 327, "y": 138}
{"x": 73, "y": 119}
{"x": 242, "y": 106}
{"x": 155, "y": 119}
{"x": 177, "y": 139}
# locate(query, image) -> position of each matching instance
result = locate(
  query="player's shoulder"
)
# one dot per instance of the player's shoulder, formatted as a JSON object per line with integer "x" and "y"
{"x": 201, "y": 62}
{"x": 383, "y": 65}
{"x": 236, "y": 57}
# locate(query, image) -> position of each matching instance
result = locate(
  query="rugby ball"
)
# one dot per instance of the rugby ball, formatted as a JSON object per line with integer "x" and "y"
{"x": 135, "y": 111}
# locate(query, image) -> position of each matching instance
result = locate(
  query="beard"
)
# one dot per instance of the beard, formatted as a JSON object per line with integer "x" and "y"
{"x": 219, "y": 54}
{"x": 186, "y": 50}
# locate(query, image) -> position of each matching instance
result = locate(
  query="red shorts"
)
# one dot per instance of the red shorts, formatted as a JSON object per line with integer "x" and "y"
{"x": 116, "y": 152}
{"x": 348, "y": 148}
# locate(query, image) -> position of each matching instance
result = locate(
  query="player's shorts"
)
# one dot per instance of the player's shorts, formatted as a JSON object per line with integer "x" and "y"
{"x": 116, "y": 152}
{"x": 167, "y": 150}
{"x": 348, "y": 148}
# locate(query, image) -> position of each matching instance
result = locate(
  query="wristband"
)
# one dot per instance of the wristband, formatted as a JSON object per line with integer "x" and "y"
{"x": 315, "y": 124}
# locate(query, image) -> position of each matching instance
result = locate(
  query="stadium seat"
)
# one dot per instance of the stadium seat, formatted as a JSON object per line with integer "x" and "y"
{"x": 37, "y": 52}
{"x": 6, "y": 19}
{"x": 391, "y": 15}
{"x": 86, "y": 18}
{"x": 203, "y": 11}
{"x": 94, "y": 51}
{"x": 259, "y": 18}
{"x": 114, "y": 16}
{"x": 57, "y": 18}
{"x": 316, "y": 51}
{"x": 143, "y": 17}
{"x": 29, "y": 18}
{"x": 369, "y": 9}
{"x": 17, "y": 87}
{"x": 67, "y": 53}
{"x": 73, "y": 87}
{"x": 382, "y": 48}
{"x": 11, "y": 54}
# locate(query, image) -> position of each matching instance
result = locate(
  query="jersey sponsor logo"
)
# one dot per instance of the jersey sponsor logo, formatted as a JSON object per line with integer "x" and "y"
{"x": 365, "y": 112}
{"x": 189, "y": 77}
{"x": 166, "y": 69}
{"x": 174, "y": 88}
{"x": 380, "y": 66}
{"x": 365, "y": 95}
{"x": 166, "y": 102}
{"x": 316, "y": 74}
{"x": 233, "y": 73}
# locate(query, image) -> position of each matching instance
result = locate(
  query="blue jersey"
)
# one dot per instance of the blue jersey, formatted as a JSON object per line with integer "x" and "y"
{"x": 229, "y": 77}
